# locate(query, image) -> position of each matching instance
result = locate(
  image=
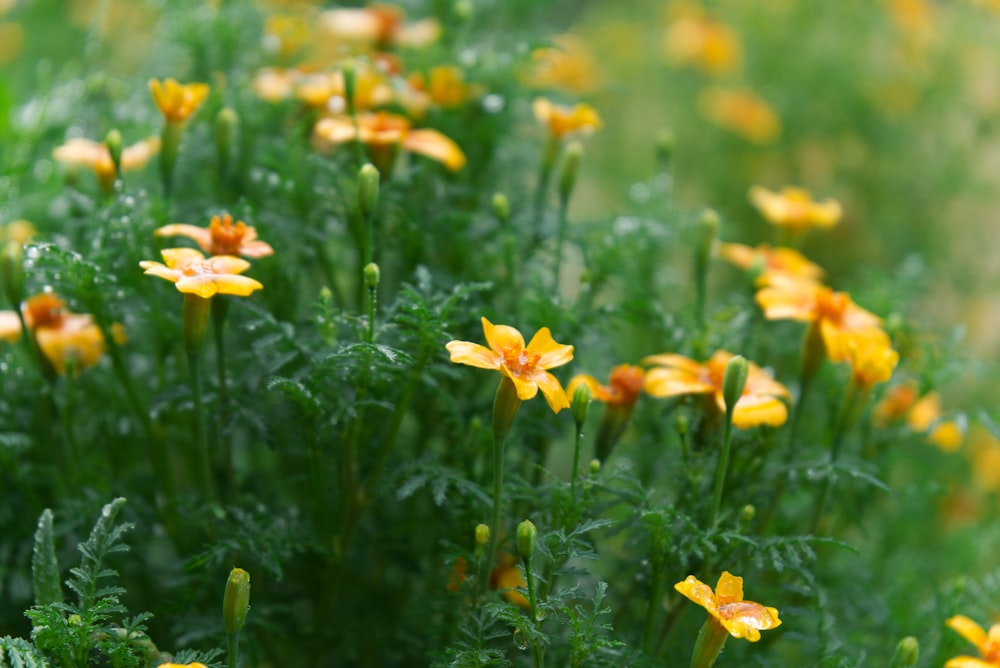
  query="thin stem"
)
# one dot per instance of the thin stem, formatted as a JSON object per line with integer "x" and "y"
{"x": 576, "y": 458}
{"x": 529, "y": 575}
{"x": 720, "y": 472}
{"x": 232, "y": 649}
{"x": 491, "y": 548}
{"x": 560, "y": 241}
{"x": 549, "y": 156}
{"x": 201, "y": 443}
{"x": 372, "y": 296}
{"x": 654, "y": 604}
{"x": 220, "y": 308}
{"x": 845, "y": 419}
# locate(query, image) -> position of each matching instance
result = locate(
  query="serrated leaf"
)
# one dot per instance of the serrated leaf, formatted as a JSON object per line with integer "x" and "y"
{"x": 44, "y": 564}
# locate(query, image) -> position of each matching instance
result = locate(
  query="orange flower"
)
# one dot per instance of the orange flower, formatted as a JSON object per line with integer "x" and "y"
{"x": 193, "y": 274}
{"x": 741, "y": 111}
{"x": 838, "y": 318}
{"x": 742, "y": 619}
{"x": 94, "y": 155}
{"x": 766, "y": 261}
{"x": 378, "y": 26}
{"x": 562, "y": 120}
{"x": 524, "y": 365}
{"x": 762, "y": 402}
{"x": 444, "y": 86}
{"x": 623, "y": 388}
{"x": 382, "y": 132}
{"x": 324, "y": 90}
{"x": 694, "y": 38}
{"x": 872, "y": 360}
{"x": 221, "y": 237}
{"x": 507, "y": 577}
{"x": 567, "y": 65}
{"x": 64, "y": 338}
{"x": 895, "y": 405}
{"x": 988, "y": 643}
{"x": 922, "y": 415}
{"x": 177, "y": 102}
{"x": 795, "y": 209}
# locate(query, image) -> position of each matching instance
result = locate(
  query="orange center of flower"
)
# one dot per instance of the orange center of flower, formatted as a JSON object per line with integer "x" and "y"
{"x": 520, "y": 362}
{"x": 227, "y": 238}
{"x": 831, "y": 305}
{"x": 44, "y": 310}
{"x": 991, "y": 650}
{"x": 625, "y": 384}
{"x": 797, "y": 204}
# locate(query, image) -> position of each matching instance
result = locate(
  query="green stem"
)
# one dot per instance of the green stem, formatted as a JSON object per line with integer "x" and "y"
{"x": 232, "y": 649}
{"x": 560, "y": 241}
{"x": 220, "y": 308}
{"x": 720, "y": 472}
{"x": 529, "y": 575}
{"x": 549, "y": 156}
{"x": 576, "y": 458}
{"x": 196, "y": 310}
{"x": 372, "y": 296}
{"x": 654, "y": 604}
{"x": 845, "y": 419}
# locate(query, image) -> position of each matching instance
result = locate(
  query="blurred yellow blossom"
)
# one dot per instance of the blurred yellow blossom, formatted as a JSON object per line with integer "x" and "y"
{"x": 767, "y": 261}
{"x": 18, "y": 231}
{"x": 872, "y": 360}
{"x": 507, "y": 577}
{"x": 79, "y": 152}
{"x": 694, "y": 38}
{"x": 988, "y": 643}
{"x": 176, "y": 101}
{"x": 763, "y": 400}
{"x": 286, "y": 35}
{"x": 193, "y": 274}
{"x": 378, "y": 26}
{"x": 526, "y": 366}
{"x": 444, "y": 86}
{"x": 182, "y": 665}
{"x": 741, "y": 111}
{"x": 794, "y": 208}
{"x": 564, "y": 120}
{"x": 568, "y": 65}
{"x": 725, "y": 605}
{"x": 922, "y": 414}
{"x": 221, "y": 237}
{"x": 11, "y": 41}
{"x": 624, "y": 385}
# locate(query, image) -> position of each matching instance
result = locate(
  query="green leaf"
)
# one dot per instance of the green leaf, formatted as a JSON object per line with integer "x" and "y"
{"x": 44, "y": 565}
{"x": 18, "y": 653}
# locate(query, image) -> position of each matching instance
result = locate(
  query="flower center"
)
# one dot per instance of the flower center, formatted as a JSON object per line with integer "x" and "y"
{"x": 227, "y": 238}
{"x": 831, "y": 305}
{"x": 520, "y": 362}
{"x": 44, "y": 310}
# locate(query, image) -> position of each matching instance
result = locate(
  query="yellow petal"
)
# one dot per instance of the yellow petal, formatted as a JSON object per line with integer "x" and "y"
{"x": 502, "y": 338}
{"x": 968, "y": 662}
{"x": 755, "y": 410}
{"x": 200, "y": 235}
{"x": 697, "y": 591}
{"x": 968, "y": 629}
{"x": 526, "y": 389}
{"x": 947, "y": 436}
{"x": 924, "y": 412}
{"x": 177, "y": 256}
{"x": 550, "y": 354}
{"x": 10, "y": 326}
{"x": 729, "y": 589}
{"x": 665, "y": 382}
{"x": 226, "y": 264}
{"x": 674, "y": 361}
{"x": 552, "y": 390}
{"x": 473, "y": 354}
{"x": 507, "y": 579}
{"x": 337, "y": 130}
{"x": 434, "y": 145}
{"x": 746, "y": 619}
{"x": 161, "y": 270}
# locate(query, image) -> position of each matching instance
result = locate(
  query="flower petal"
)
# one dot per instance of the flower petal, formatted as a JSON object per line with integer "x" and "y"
{"x": 434, "y": 145}
{"x": 473, "y": 354}
{"x": 226, "y": 264}
{"x": 665, "y": 382}
{"x": 161, "y": 270}
{"x": 256, "y": 248}
{"x": 502, "y": 338}
{"x": 729, "y": 589}
{"x": 968, "y": 629}
{"x": 673, "y": 361}
{"x": 968, "y": 662}
{"x": 753, "y": 410}
{"x": 177, "y": 256}
{"x": 746, "y": 619}
{"x": 551, "y": 389}
{"x": 697, "y": 591}
{"x": 10, "y": 326}
{"x": 550, "y": 354}
{"x": 526, "y": 389}
{"x": 200, "y": 235}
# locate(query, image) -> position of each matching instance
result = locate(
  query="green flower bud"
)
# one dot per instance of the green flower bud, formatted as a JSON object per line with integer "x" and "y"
{"x": 571, "y": 166}
{"x": 580, "y": 403}
{"x": 595, "y": 466}
{"x": 907, "y": 653}
{"x": 350, "y": 84}
{"x": 706, "y": 232}
{"x": 227, "y": 125}
{"x": 12, "y": 272}
{"x": 681, "y": 425}
{"x": 113, "y": 140}
{"x": 733, "y": 382}
{"x": 482, "y": 534}
{"x": 368, "y": 182}
{"x": 236, "y": 601}
{"x": 526, "y": 536}
{"x": 665, "y": 142}
{"x": 372, "y": 275}
{"x": 748, "y": 512}
{"x": 463, "y": 10}
{"x": 501, "y": 207}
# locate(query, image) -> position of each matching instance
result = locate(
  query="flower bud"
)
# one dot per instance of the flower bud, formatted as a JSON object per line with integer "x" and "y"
{"x": 372, "y": 275}
{"x": 526, "y": 536}
{"x": 350, "y": 84}
{"x": 113, "y": 140}
{"x": 12, "y": 272}
{"x": 501, "y": 207}
{"x": 706, "y": 232}
{"x": 236, "y": 601}
{"x": 580, "y": 403}
{"x": 681, "y": 425}
{"x": 907, "y": 653}
{"x": 733, "y": 382}
{"x": 595, "y": 466}
{"x": 571, "y": 166}
{"x": 482, "y": 534}
{"x": 748, "y": 512}
{"x": 227, "y": 125}
{"x": 368, "y": 181}
{"x": 665, "y": 146}
{"x": 463, "y": 10}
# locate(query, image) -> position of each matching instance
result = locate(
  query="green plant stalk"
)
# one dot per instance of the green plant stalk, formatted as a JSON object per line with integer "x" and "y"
{"x": 845, "y": 419}
{"x": 196, "y": 310}
{"x": 720, "y": 472}
{"x": 372, "y": 298}
{"x": 560, "y": 241}
{"x": 529, "y": 575}
{"x": 578, "y": 442}
{"x": 711, "y": 639}
{"x": 220, "y": 309}
{"x": 510, "y": 265}
{"x": 549, "y": 156}
{"x": 170, "y": 140}
{"x": 655, "y": 596}
{"x": 232, "y": 649}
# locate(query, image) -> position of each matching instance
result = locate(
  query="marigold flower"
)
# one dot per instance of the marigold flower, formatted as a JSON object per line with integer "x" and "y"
{"x": 895, "y": 404}
{"x": 568, "y": 65}
{"x": 563, "y": 120}
{"x": 623, "y": 388}
{"x": 741, "y": 111}
{"x": 325, "y": 91}
{"x": 742, "y": 619}
{"x": 524, "y": 365}
{"x": 382, "y": 132}
{"x": 507, "y": 577}
{"x": 694, "y": 38}
{"x": 922, "y": 414}
{"x": 768, "y": 260}
{"x": 988, "y": 643}
{"x": 65, "y": 338}
{"x": 838, "y": 319}
{"x": 794, "y": 208}
{"x": 193, "y": 274}
{"x": 18, "y": 231}
{"x": 176, "y": 101}
{"x": 378, "y": 26}
{"x": 444, "y": 86}
{"x": 762, "y": 401}
{"x": 872, "y": 360}
{"x": 79, "y": 152}
{"x": 221, "y": 237}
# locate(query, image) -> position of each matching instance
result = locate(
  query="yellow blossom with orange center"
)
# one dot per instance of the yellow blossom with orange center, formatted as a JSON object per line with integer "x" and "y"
{"x": 922, "y": 414}
{"x": 444, "y": 86}
{"x": 794, "y": 208}
{"x": 79, "y": 152}
{"x": 837, "y": 317}
{"x": 695, "y": 38}
{"x": 568, "y": 65}
{"x": 176, "y": 101}
{"x": 742, "y": 619}
{"x": 767, "y": 261}
{"x": 872, "y": 360}
{"x": 763, "y": 401}
{"x": 624, "y": 385}
{"x": 193, "y": 274}
{"x": 221, "y": 237}
{"x": 563, "y": 120}
{"x": 987, "y": 642}
{"x": 741, "y": 111}
{"x": 382, "y": 132}
{"x": 526, "y": 366}
{"x": 66, "y": 339}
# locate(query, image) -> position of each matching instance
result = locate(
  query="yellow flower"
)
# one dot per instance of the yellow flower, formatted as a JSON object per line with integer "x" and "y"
{"x": 568, "y": 65}
{"x": 741, "y": 111}
{"x": 507, "y": 577}
{"x": 177, "y": 102}
{"x": 444, "y": 86}
{"x": 694, "y": 38}
{"x": 795, "y": 209}
{"x": 742, "y": 619}
{"x": 378, "y": 26}
{"x": 838, "y": 319}
{"x": 182, "y": 665}
{"x": 193, "y": 274}
{"x": 95, "y": 156}
{"x": 65, "y": 338}
{"x": 872, "y": 360}
{"x": 524, "y": 365}
{"x": 382, "y": 132}
{"x": 18, "y": 231}
{"x": 221, "y": 237}
{"x": 563, "y": 120}
{"x": 624, "y": 385}
{"x": 923, "y": 415}
{"x": 762, "y": 402}
{"x": 988, "y": 643}
{"x": 768, "y": 261}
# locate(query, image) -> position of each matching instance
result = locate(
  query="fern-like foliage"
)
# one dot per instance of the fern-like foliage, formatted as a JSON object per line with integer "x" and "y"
{"x": 19, "y": 653}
